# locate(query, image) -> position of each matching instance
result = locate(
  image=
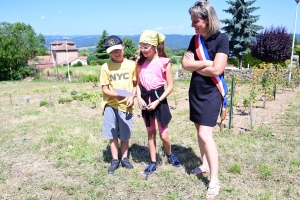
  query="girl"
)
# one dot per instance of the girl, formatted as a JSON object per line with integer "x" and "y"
{"x": 154, "y": 71}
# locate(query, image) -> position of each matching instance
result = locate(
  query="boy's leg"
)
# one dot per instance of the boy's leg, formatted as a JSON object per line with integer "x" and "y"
{"x": 124, "y": 148}
{"x": 114, "y": 148}
{"x": 114, "y": 152}
{"x": 110, "y": 131}
{"x": 125, "y": 127}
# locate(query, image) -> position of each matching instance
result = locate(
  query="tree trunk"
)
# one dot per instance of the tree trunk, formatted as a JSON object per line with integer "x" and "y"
{"x": 240, "y": 62}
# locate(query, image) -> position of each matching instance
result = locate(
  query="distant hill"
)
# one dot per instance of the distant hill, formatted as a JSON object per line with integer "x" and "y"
{"x": 173, "y": 41}
{"x": 298, "y": 37}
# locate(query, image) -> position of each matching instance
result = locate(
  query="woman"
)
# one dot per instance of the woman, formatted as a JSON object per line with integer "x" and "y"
{"x": 206, "y": 58}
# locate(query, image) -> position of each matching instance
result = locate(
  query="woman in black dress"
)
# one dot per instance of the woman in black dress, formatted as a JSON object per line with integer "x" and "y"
{"x": 206, "y": 58}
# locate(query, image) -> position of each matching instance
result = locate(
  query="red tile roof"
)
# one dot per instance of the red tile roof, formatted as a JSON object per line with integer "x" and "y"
{"x": 70, "y": 59}
{"x": 82, "y": 57}
{"x": 62, "y": 47}
{"x": 42, "y": 60}
{"x": 62, "y": 42}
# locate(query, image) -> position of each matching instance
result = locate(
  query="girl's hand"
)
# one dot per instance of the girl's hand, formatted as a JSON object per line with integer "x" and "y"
{"x": 153, "y": 105}
{"x": 142, "y": 104}
{"x": 189, "y": 55}
{"x": 130, "y": 102}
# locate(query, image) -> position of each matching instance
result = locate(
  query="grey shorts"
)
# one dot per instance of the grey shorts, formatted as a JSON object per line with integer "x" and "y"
{"x": 116, "y": 124}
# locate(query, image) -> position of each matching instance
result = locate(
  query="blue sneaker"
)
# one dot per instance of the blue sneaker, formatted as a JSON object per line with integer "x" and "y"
{"x": 125, "y": 163}
{"x": 174, "y": 160}
{"x": 114, "y": 165}
{"x": 151, "y": 168}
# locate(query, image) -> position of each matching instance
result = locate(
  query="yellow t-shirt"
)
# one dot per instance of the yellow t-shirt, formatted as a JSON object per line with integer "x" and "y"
{"x": 118, "y": 76}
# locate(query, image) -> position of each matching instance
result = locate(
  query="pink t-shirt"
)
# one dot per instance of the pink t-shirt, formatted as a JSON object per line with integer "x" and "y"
{"x": 152, "y": 76}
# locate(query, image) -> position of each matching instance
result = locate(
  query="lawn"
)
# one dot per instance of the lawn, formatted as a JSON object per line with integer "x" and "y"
{"x": 57, "y": 151}
{"x": 80, "y": 71}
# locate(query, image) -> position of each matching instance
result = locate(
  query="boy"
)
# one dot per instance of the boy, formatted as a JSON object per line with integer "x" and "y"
{"x": 117, "y": 73}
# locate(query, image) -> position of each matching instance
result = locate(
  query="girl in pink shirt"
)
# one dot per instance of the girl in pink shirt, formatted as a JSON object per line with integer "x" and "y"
{"x": 154, "y": 71}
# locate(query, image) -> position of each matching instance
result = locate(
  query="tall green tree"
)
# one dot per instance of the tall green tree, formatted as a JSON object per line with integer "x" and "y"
{"x": 101, "y": 53}
{"x": 241, "y": 29}
{"x": 18, "y": 44}
{"x": 130, "y": 48}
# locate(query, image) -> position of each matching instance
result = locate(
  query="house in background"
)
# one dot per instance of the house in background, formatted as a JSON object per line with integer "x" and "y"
{"x": 61, "y": 53}
{"x": 82, "y": 59}
{"x": 42, "y": 62}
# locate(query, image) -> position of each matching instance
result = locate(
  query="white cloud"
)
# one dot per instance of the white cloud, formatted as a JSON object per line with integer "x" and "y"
{"x": 43, "y": 17}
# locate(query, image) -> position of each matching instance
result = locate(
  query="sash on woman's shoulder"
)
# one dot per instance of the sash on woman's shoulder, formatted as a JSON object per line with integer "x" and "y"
{"x": 218, "y": 80}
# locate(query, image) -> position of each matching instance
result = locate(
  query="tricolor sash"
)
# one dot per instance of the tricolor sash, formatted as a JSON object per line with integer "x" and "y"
{"x": 220, "y": 82}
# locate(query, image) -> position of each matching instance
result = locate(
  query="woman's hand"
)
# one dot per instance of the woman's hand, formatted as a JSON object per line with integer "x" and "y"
{"x": 189, "y": 55}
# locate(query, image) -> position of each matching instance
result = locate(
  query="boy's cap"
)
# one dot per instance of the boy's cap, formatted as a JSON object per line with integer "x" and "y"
{"x": 113, "y": 42}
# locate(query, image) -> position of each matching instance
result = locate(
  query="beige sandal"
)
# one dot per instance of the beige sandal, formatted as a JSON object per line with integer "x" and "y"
{"x": 213, "y": 191}
{"x": 199, "y": 170}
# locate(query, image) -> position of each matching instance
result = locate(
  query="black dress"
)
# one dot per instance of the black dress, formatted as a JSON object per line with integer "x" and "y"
{"x": 204, "y": 97}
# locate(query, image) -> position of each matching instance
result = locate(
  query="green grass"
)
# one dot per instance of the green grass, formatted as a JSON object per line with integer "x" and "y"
{"x": 59, "y": 152}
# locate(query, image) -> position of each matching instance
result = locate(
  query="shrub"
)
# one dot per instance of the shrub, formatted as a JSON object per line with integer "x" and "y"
{"x": 70, "y": 71}
{"x": 73, "y": 92}
{"x": 93, "y": 63}
{"x": 90, "y": 58}
{"x": 102, "y": 61}
{"x": 64, "y": 100}
{"x": 87, "y": 78}
{"x": 44, "y": 103}
{"x": 174, "y": 60}
{"x": 249, "y": 59}
{"x": 233, "y": 61}
{"x": 79, "y": 64}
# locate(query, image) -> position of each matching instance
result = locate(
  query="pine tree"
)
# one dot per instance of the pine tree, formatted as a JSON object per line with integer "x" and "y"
{"x": 101, "y": 53}
{"x": 130, "y": 48}
{"x": 241, "y": 29}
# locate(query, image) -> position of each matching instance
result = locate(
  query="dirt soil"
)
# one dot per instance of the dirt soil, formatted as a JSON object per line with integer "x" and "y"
{"x": 241, "y": 118}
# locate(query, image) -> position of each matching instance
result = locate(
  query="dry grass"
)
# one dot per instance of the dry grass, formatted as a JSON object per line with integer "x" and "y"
{"x": 59, "y": 153}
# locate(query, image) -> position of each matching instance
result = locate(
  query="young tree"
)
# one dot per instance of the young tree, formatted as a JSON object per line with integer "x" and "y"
{"x": 18, "y": 44}
{"x": 84, "y": 52}
{"x": 240, "y": 29}
{"x": 130, "y": 48}
{"x": 272, "y": 45}
{"x": 101, "y": 53}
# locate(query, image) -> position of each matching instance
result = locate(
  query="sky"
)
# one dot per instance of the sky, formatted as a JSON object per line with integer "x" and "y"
{"x": 131, "y": 17}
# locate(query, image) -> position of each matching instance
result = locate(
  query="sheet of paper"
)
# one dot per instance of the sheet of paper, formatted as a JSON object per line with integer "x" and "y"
{"x": 123, "y": 93}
